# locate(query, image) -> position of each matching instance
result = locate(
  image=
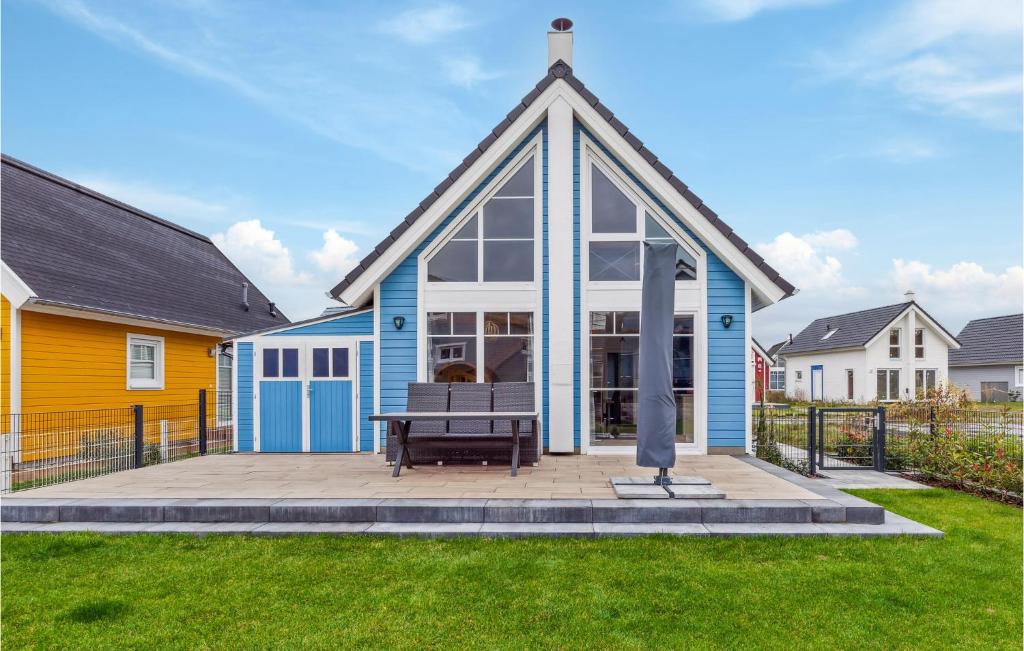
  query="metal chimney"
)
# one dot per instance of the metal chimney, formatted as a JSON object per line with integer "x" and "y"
{"x": 271, "y": 304}
{"x": 245, "y": 296}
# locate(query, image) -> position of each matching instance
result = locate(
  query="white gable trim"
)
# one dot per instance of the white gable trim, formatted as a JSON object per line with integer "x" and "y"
{"x": 302, "y": 324}
{"x": 919, "y": 313}
{"x": 361, "y": 288}
{"x": 15, "y": 289}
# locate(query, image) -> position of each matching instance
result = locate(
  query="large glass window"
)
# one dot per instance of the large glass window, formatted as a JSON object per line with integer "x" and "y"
{"x": 894, "y": 343}
{"x": 618, "y": 226}
{"x": 505, "y": 344}
{"x": 451, "y": 346}
{"x": 496, "y": 244}
{"x": 919, "y": 343}
{"x": 924, "y": 381}
{"x": 508, "y": 347}
{"x": 888, "y": 384}
{"x": 614, "y": 361}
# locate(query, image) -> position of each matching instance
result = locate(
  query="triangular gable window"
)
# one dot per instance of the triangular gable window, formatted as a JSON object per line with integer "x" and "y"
{"x": 497, "y": 243}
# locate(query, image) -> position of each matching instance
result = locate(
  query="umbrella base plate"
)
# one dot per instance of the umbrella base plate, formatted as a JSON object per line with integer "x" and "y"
{"x": 683, "y": 487}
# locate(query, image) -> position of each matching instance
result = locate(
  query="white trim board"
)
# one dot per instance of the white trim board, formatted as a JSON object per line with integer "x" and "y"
{"x": 358, "y": 292}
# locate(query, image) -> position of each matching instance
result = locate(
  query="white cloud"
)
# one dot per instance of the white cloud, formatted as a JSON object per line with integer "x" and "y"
{"x": 839, "y": 239}
{"x": 800, "y": 259}
{"x": 426, "y": 24}
{"x": 736, "y": 10}
{"x": 466, "y": 71}
{"x": 172, "y": 206}
{"x": 904, "y": 150}
{"x": 260, "y": 255}
{"x": 337, "y": 256}
{"x": 963, "y": 288}
{"x": 953, "y": 57}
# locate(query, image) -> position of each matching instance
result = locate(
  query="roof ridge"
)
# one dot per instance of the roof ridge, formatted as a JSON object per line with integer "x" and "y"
{"x": 992, "y": 318}
{"x": 99, "y": 196}
{"x": 867, "y": 309}
{"x": 562, "y": 70}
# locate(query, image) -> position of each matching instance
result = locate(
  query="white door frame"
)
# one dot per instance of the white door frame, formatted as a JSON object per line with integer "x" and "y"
{"x": 305, "y": 344}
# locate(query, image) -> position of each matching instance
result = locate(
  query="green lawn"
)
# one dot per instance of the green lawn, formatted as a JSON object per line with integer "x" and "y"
{"x": 237, "y": 592}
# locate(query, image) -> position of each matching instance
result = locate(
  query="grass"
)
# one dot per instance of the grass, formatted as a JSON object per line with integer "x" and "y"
{"x": 84, "y": 590}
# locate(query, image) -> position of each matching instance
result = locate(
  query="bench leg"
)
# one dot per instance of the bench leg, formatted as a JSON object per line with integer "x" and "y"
{"x": 515, "y": 448}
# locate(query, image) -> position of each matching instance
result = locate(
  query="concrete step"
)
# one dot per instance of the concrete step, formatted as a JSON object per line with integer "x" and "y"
{"x": 892, "y": 525}
{"x": 841, "y": 508}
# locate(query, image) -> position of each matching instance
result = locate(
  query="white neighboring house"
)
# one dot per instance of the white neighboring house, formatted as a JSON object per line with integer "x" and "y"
{"x": 885, "y": 353}
{"x": 990, "y": 365}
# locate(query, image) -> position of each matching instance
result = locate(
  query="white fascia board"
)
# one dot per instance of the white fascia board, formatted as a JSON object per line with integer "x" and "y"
{"x": 362, "y": 288}
{"x": 299, "y": 324}
{"x": 14, "y": 288}
{"x": 697, "y": 222}
{"x": 939, "y": 330}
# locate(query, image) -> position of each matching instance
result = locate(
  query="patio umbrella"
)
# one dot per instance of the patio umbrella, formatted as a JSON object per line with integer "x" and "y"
{"x": 656, "y": 412}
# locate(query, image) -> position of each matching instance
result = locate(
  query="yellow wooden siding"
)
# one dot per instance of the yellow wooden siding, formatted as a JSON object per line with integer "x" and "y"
{"x": 5, "y": 355}
{"x": 69, "y": 364}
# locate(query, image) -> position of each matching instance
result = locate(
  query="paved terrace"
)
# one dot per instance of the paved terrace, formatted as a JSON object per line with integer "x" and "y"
{"x": 368, "y": 477}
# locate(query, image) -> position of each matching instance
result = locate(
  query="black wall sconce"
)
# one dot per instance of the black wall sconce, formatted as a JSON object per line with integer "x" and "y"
{"x": 726, "y": 320}
{"x": 399, "y": 321}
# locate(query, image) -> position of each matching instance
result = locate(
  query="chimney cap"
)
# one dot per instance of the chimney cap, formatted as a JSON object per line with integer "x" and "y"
{"x": 561, "y": 24}
{"x": 909, "y": 295}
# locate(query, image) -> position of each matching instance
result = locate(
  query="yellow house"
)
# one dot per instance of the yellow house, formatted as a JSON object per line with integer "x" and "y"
{"x": 104, "y": 306}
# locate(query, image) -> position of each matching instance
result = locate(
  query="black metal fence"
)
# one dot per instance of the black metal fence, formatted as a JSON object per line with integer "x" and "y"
{"x": 961, "y": 446}
{"x": 40, "y": 449}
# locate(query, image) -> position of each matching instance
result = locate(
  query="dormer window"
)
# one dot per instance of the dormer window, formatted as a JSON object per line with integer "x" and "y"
{"x": 496, "y": 243}
{"x": 618, "y": 226}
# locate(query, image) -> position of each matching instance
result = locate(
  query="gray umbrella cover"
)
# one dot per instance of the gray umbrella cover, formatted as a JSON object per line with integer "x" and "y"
{"x": 656, "y": 412}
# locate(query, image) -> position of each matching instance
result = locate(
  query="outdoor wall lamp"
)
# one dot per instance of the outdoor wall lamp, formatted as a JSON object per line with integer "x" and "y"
{"x": 726, "y": 320}
{"x": 399, "y": 321}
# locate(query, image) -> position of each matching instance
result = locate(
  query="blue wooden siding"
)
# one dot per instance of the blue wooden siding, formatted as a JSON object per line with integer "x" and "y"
{"x": 727, "y": 357}
{"x": 244, "y": 423}
{"x": 280, "y": 416}
{"x": 360, "y": 323}
{"x": 398, "y": 298}
{"x": 330, "y": 416}
{"x": 365, "y": 396}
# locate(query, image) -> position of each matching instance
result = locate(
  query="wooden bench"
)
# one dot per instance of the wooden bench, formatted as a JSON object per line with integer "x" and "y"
{"x": 459, "y": 421}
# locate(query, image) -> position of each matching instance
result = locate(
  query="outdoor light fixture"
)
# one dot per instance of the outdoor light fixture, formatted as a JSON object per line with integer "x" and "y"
{"x": 726, "y": 320}
{"x": 399, "y": 322}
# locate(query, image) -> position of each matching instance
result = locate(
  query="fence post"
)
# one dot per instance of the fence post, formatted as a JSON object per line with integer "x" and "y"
{"x": 880, "y": 463}
{"x": 139, "y": 443}
{"x": 811, "y": 439}
{"x": 202, "y": 421}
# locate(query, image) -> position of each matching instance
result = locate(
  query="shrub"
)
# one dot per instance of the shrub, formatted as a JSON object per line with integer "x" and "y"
{"x": 987, "y": 460}
{"x": 100, "y": 445}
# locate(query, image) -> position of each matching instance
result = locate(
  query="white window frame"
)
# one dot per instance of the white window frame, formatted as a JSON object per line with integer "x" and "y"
{"x": 144, "y": 384}
{"x": 917, "y": 345}
{"x": 1019, "y": 375}
{"x": 777, "y": 379}
{"x": 898, "y": 346}
{"x": 798, "y": 376}
{"x": 899, "y": 384}
{"x": 587, "y": 235}
{"x": 924, "y": 377}
{"x": 475, "y": 209}
{"x": 479, "y": 336}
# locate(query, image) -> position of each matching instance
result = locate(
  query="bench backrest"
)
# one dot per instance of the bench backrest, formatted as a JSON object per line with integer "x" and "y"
{"x": 427, "y": 396}
{"x": 513, "y": 396}
{"x": 469, "y": 396}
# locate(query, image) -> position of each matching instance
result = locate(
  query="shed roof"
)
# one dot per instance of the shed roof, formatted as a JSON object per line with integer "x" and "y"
{"x": 79, "y": 249}
{"x": 995, "y": 340}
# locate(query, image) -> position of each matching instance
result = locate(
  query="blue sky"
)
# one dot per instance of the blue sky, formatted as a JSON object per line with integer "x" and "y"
{"x": 865, "y": 147}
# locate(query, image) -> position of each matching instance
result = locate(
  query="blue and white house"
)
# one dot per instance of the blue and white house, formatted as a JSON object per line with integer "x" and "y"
{"x": 524, "y": 264}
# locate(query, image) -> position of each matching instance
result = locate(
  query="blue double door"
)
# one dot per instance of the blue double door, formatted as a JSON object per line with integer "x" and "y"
{"x": 306, "y": 395}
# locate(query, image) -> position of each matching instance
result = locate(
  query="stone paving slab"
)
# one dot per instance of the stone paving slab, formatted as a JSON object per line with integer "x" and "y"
{"x": 640, "y": 491}
{"x": 894, "y": 525}
{"x": 676, "y": 479}
{"x": 693, "y": 492}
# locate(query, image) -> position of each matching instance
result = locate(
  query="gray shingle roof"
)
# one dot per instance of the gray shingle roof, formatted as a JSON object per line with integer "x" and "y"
{"x": 998, "y": 339}
{"x": 77, "y": 248}
{"x": 561, "y": 70}
{"x": 852, "y": 330}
